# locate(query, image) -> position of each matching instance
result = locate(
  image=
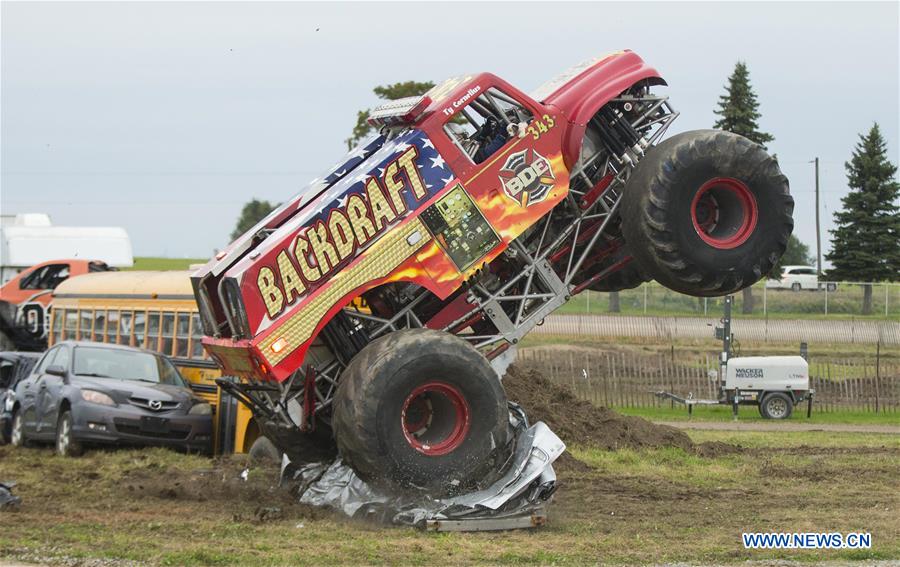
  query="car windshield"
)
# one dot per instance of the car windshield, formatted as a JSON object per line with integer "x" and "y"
{"x": 126, "y": 365}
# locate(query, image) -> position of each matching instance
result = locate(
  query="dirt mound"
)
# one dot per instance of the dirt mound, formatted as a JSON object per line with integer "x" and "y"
{"x": 578, "y": 422}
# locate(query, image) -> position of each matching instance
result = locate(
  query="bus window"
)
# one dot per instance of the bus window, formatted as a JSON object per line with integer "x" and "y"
{"x": 99, "y": 326}
{"x": 71, "y": 324}
{"x": 140, "y": 320}
{"x": 196, "y": 336}
{"x": 153, "y": 330}
{"x": 182, "y": 334}
{"x": 168, "y": 333}
{"x": 112, "y": 326}
{"x": 87, "y": 321}
{"x": 58, "y": 316}
{"x": 125, "y": 328}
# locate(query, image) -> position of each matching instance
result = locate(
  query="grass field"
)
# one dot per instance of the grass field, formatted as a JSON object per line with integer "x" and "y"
{"x": 751, "y": 414}
{"x": 659, "y": 506}
{"x": 148, "y": 263}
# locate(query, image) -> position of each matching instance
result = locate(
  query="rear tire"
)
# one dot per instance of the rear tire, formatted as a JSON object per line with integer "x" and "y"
{"x": 796, "y": 286}
{"x": 776, "y": 405}
{"x": 707, "y": 213}
{"x": 422, "y": 409}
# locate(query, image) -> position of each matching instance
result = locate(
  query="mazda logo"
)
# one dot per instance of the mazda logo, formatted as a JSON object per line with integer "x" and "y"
{"x": 155, "y": 405}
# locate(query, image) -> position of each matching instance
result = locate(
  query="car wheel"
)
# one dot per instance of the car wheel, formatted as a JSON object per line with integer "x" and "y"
{"x": 66, "y": 445}
{"x": 776, "y": 405}
{"x": 795, "y": 286}
{"x": 831, "y": 287}
{"x": 17, "y": 435}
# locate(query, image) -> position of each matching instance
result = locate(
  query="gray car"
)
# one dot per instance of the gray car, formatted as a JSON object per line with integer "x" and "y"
{"x": 85, "y": 393}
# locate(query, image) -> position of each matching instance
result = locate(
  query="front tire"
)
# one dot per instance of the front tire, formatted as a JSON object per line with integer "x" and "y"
{"x": 422, "y": 409}
{"x": 17, "y": 433}
{"x": 66, "y": 445}
{"x": 707, "y": 213}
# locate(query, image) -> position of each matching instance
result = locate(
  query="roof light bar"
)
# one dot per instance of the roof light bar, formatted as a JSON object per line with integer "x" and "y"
{"x": 401, "y": 111}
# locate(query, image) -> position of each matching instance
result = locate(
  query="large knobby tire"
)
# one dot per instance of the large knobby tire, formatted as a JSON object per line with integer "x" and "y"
{"x": 422, "y": 409}
{"x": 707, "y": 213}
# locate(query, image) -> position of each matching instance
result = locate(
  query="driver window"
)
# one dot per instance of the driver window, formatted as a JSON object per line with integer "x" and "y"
{"x": 62, "y": 358}
{"x": 484, "y": 125}
{"x": 47, "y": 277}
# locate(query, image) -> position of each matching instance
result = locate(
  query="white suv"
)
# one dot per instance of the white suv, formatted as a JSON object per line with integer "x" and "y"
{"x": 798, "y": 277}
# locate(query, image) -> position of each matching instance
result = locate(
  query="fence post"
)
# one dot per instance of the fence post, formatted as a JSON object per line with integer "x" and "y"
{"x": 887, "y": 287}
{"x": 645, "y": 298}
{"x": 877, "y": 372}
{"x": 826, "y": 298}
{"x": 765, "y": 301}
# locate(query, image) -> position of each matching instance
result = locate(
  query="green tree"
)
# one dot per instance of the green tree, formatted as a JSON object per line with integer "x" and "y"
{"x": 865, "y": 246}
{"x": 253, "y": 212}
{"x": 796, "y": 254}
{"x": 385, "y": 92}
{"x": 739, "y": 112}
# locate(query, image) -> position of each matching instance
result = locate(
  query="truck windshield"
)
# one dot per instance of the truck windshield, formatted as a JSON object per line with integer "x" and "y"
{"x": 126, "y": 365}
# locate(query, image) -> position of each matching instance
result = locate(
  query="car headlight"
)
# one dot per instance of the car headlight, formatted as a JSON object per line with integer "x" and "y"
{"x": 96, "y": 397}
{"x": 202, "y": 408}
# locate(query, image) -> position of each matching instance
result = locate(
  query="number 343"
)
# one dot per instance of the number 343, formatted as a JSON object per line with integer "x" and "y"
{"x": 541, "y": 126}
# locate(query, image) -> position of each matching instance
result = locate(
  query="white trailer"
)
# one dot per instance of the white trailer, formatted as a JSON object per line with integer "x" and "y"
{"x": 29, "y": 239}
{"x": 773, "y": 383}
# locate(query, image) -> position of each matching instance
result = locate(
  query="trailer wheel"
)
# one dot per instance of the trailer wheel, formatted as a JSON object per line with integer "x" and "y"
{"x": 422, "y": 409}
{"x": 776, "y": 405}
{"x": 707, "y": 213}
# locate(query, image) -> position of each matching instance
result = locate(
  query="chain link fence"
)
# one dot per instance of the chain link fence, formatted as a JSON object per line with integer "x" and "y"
{"x": 837, "y": 300}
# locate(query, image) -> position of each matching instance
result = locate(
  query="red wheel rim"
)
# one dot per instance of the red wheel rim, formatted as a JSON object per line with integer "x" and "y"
{"x": 724, "y": 213}
{"x": 435, "y": 418}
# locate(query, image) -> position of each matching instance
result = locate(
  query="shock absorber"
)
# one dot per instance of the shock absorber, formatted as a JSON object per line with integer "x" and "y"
{"x": 619, "y": 136}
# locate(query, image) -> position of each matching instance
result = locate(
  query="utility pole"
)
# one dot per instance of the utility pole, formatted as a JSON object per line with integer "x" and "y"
{"x": 818, "y": 230}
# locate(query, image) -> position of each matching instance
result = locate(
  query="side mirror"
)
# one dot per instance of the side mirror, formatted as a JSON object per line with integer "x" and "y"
{"x": 56, "y": 370}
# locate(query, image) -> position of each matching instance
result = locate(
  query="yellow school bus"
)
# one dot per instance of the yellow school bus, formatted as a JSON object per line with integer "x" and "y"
{"x": 155, "y": 311}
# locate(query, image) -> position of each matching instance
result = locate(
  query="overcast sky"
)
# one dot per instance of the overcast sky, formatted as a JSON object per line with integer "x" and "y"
{"x": 164, "y": 118}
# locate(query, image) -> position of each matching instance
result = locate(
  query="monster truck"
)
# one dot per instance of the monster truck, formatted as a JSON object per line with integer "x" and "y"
{"x": 375, "y": 311}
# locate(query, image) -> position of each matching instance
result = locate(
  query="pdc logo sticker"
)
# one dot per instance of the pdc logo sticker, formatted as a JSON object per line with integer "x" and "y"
{"x": 526, "y": 177}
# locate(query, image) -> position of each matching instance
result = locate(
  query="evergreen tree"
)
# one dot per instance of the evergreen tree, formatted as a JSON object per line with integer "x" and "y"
{"x": 739, "y": 113}
{"x": 739, "y": 109}
{"x": 865, "y": 246}
{"x": 253, "y": 212}
{"x": 385, "y": 92}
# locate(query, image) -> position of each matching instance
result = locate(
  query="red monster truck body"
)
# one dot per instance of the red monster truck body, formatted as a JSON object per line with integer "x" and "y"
{"x": 475, "y": 212}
